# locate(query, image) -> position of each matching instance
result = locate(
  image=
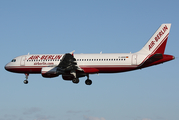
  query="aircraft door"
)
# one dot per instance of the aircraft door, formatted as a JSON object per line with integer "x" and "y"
{"x": 134, "y": 59}
{"x": 22, "y": 60}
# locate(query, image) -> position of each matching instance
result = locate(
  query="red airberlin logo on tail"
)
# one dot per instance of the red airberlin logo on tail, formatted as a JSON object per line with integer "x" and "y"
{"x": 157, "y": 38}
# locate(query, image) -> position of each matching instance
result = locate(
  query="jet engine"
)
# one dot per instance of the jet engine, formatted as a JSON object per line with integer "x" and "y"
{"x": 68, "y": 76}
{"x": 49, "y": 72}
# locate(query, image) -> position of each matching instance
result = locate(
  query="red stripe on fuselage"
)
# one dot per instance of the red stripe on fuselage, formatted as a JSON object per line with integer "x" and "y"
{"x": 86, "y": 68}
{"x": 24, "y": 69}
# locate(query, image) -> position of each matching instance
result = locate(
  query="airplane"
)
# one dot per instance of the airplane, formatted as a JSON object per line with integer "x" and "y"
{"x": 73, "y": 66}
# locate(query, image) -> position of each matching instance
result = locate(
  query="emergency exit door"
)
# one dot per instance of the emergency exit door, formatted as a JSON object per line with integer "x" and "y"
{"x": 134, "y": 59}
{"x": 23, "y": 60}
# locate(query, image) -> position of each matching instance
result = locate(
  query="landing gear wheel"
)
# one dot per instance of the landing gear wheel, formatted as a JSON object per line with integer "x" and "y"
{"x": 88, "y": 82}
{"x": 75, "y": 80}
{"x": 25, "y": 81}
{"x": 26, "y": 76}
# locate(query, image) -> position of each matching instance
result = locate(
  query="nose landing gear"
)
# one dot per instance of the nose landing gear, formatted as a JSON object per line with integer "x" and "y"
{"x": 26, "y": 76}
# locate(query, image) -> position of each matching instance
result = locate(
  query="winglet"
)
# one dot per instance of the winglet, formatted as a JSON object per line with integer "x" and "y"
{"x": 72, "y": 52}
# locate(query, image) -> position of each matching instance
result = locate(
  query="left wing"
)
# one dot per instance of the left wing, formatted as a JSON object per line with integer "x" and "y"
{"x": 68, "y": 63}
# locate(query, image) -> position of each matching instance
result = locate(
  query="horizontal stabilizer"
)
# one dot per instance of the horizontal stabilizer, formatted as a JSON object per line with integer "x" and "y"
{"x": 156, "y": 59}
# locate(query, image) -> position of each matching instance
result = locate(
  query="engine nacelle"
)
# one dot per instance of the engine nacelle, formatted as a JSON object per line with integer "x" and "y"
{"x": 49, "y": 72}
{"x": 67, "y": 76}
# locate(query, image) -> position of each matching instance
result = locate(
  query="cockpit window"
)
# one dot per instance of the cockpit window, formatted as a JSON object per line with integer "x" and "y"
{"x": 14, "y": 60}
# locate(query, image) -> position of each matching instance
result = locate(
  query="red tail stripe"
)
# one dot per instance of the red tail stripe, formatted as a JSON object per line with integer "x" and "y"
{"x": 165, "y": 38}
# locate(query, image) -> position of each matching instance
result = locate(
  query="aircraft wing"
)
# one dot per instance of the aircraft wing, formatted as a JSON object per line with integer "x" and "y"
{"x": 68, "y": 63}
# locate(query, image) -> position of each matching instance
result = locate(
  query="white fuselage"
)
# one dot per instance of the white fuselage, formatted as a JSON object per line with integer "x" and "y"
{"x": 104, "y": 63}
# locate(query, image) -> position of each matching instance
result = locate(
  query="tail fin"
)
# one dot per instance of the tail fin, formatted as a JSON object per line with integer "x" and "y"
{"x": 158, "y": 41}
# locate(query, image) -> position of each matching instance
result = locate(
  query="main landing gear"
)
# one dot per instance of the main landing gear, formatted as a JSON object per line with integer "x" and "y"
{"x": 76, "y": 80}
{"x": 26, "y": 76}
{"x": 88, "y": 81}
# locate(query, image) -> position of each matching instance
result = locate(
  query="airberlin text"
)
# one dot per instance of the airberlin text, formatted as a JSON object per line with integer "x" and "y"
{"x": 157, "y": 38}
{"x": 43, "y": 63}
{"x": 45, "y": 57}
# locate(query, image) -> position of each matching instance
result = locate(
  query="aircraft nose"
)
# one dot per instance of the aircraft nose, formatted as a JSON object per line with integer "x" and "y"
{"x": 6, "y": 67}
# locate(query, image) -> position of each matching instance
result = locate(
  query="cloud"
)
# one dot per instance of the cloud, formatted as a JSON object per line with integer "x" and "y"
{"x": 32, "y": 110}
{"x": 8, "y": 117}
{"x": 93, "y": 118}
{"x": 71, "y": 111}
{"x": 43, "y": 117}
{"x": 146, "y": 119}
{"x": 76, "y": 112}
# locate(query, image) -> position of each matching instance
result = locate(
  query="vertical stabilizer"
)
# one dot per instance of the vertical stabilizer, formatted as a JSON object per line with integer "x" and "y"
{"x": 158, "y": 41}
